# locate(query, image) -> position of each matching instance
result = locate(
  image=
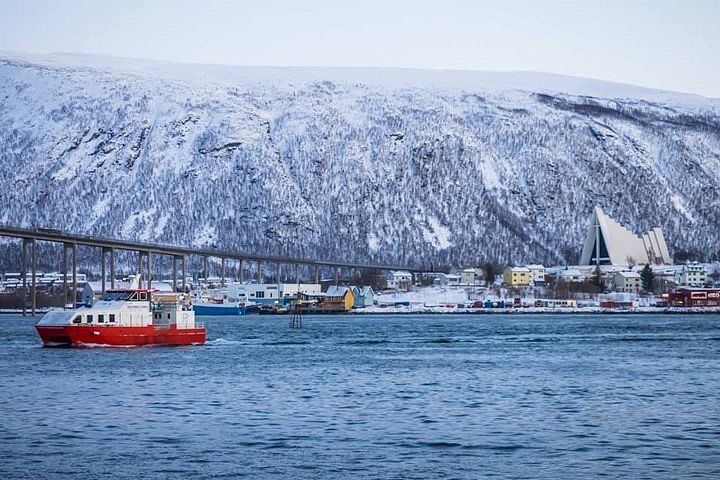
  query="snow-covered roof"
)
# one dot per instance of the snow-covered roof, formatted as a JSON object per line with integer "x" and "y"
{"x": 629, "y": 274}
{"x": 570, "y": 272}
{"x": 336, "y": 291}
{"x": 519, "y": 269}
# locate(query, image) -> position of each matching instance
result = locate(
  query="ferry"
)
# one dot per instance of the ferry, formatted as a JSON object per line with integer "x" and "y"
{"x": 124, "y": 318}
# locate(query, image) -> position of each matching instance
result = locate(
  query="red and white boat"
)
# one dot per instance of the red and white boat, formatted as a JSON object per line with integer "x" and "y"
{"x": 124, "y": 318}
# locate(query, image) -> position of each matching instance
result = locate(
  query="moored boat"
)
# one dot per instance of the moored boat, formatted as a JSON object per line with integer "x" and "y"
{"x": 225, "y": 308}
{"x": 124, "y": 318}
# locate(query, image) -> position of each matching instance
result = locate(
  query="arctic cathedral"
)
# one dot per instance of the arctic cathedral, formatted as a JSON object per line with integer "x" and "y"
{"x": 609, "y": 243}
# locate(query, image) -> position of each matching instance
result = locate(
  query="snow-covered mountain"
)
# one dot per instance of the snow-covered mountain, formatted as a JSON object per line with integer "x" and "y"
{"x": 409, "y": 166}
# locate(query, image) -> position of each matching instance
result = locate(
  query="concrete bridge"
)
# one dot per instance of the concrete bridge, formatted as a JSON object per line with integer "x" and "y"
{"x": 146, "y": 251}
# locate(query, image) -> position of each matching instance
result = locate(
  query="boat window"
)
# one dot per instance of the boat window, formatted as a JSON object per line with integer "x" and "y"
{"x": 133, "y": 296}
{"x": 89, "y": 319}
{"x": 101, "y": 318}
{"x": 168, "y": 316}
{"x": 143, "y": 295}
{"x": 77, "y": 319}
{"x": 112, "y": 318}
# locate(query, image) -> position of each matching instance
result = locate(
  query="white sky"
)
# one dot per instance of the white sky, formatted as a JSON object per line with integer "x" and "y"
{"x": 668, "y": 44}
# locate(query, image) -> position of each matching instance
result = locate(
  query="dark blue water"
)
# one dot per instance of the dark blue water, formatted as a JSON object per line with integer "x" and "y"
{"x": 371, "y": 397}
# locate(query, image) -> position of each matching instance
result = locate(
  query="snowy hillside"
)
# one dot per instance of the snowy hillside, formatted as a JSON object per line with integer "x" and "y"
{"x": 396, "y": 165}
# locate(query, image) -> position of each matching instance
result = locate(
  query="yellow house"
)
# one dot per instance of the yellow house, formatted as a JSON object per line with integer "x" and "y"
{"x": 516, "y": 276}
{"x": 339, "y": 298}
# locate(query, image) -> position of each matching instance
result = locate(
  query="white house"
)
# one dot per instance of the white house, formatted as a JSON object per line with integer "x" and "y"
{"x": 571, "y": 275}
{"x": 453, "y": 279}
{"x": 537, "y": 274}
{"x": 400, "y": 279}
{"x": 693, "y": 275}
{"x": 472, "y": 276}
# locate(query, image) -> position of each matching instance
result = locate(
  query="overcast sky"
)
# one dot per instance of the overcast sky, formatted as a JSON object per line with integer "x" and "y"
{"x": 665, "y": 44}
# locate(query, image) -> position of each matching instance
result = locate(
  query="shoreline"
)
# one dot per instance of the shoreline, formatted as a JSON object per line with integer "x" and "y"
{"x": 484, "y": 311}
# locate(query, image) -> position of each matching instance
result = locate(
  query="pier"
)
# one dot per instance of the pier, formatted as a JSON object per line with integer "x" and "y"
{"x": 107, "y": 248}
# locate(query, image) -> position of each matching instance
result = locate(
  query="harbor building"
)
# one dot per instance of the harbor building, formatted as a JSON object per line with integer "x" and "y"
{"x": 695, "y": 297}
{"x": 609, "y": 243}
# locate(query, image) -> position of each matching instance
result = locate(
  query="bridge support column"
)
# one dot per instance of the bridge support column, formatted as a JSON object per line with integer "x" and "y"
{"x": 242, "y": 273}
{"x": 297, "y": 273}
{"x": 23, "y": 273}
{"x": 33, "y": 248}
{"x": 102, "y": 270}
{"x": 184, "y": 273}
{"x": 112, "y": 268}
{"x": 337, "y": 276}
{"x": 149, "y": 270}
{"x": 205, "y": 270}
{"x": 317, "y": 273}
{"x": 174, "y": 282}
{"x": 140, "y": 268}
{"x": 278, "y": 273}
{"x": 65, "y": 274}
{"x": 74, "y": 275}
{"x": 222, "y": 272}
{"x": 259, "y": 271}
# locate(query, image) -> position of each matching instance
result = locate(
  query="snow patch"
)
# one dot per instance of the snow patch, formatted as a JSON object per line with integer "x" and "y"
{"x": 373, "y": 242}
{"x": 205, "y": 236}
{"x": 680, "y": 207}
{"x": 437, "y": 235}
{"x": 101, "y": 206}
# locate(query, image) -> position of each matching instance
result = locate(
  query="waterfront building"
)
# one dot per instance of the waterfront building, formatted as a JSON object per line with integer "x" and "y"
{"x": 364, "y": 297}
{"x": 338, "y": 299}
{"x": 609, "y": 243}
{"x": 267, "y": 292}
{"x": 695, "y": 297}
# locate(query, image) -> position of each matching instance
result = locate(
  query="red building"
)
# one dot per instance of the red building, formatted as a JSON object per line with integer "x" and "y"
{"x": 695, "y": 297}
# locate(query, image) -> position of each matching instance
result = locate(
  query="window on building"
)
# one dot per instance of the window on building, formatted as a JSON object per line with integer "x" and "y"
{"x": 259, "y": 294}
{"x": 168, "y": 316}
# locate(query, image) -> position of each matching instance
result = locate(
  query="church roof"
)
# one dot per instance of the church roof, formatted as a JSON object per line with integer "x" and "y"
{"x": 608, "y": 242}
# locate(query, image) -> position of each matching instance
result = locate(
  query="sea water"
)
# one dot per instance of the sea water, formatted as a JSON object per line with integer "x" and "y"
{"x": 386, "y": 397}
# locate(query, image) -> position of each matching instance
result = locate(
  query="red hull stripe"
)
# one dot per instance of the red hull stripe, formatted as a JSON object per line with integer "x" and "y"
{"x": 77, "y": 335}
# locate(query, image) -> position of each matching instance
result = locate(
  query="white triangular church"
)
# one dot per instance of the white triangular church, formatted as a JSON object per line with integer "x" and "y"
{"x": 609, "y": 243}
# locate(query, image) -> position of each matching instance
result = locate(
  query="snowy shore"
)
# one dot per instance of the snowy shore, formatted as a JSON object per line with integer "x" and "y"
{"x": 422, "y": 309}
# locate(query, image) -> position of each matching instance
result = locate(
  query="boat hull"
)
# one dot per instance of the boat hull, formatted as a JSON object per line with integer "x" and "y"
{"x": 79, "y": 335}
{"x": 223, "y": 310}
